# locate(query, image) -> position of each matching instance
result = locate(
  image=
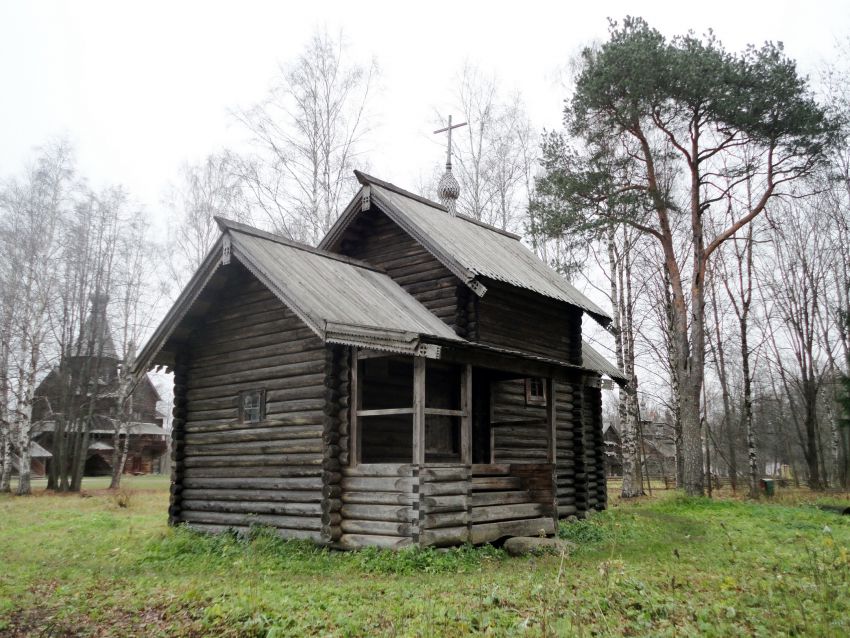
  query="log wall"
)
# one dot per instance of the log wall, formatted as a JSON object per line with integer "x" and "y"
{"x": 232, "y": 474}
{"x": 519, "y": 430}
{"x": 444, "y": 505}
{"x": 592, "y": 422}
{"x": 571, "y": 476}
{"x": 512, "y": 318}
{"x": 379, "y": 506}
{"x": 376, "y": 239}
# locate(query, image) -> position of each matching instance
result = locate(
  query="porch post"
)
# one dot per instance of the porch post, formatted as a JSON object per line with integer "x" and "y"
{"x": 466, "y": 419}
{"x": 551, "y": 422}
{"x": 419, "y": 410}
{"x": 356, "y": 394}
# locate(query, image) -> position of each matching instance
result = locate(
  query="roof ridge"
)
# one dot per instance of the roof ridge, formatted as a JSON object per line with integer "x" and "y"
{"x": 365, "y": 179}
{"x": 228, "y": 224}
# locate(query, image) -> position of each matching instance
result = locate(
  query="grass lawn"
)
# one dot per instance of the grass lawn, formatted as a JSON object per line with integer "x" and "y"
{"x": 668, "y": 566}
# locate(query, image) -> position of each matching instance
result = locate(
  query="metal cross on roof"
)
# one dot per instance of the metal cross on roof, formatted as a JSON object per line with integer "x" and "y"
{"x": 449, "y": 147}
{"x": 448, "y": 190}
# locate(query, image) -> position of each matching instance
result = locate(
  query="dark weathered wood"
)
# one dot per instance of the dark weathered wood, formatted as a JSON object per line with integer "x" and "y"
{"x": 380, "y": 498}
{"x": 489, "y": 532}
{"x": 287, "y": 496}
{"x": 375, "y": 512}
{"x": 305, "y": 523}
{"x": 308, "y": 483}
{"x": 500, "y": 483}
{"x": 444, "y": 489}
{"x": 445, "y": 536}
{"x": 418, "y": 410}
{"x": 378, "y": 484}
{"x": 254, "y": 507}
{"x": 452, "y": 503}
{"x": 379, "y": 528}
{"x": 379, "y": 241}
{"x": 507, "y": 512}
{"x": 275, "y": 433}
{"x": 466, "y": 419}
{"x": 380, "y": 469}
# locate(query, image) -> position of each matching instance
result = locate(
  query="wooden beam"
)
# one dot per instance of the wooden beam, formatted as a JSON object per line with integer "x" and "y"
{"x": 466, "y": 418}
{"x": 444, "y": 412}
{"x": 384, "y": 412}
{"x": 551, "y": 422}
{"x": 356, "y": 394}
{"x": 419, "y": 411}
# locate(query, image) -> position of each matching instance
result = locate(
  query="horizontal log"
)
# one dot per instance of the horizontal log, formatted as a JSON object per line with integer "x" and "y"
{"x": 441, "y": 475}
{"x": 381, "y": 528}
{"x": 356, "y": 541}
{"x": 506, "y": 512}
{"x": 316, "y": 418}
{"x": 444, "y": 519}
{"x": 293, "y": 476}
{"x": 490, "y": 469}
{"x": 372, "y": 512}
{"x": 288, "y": 496}
{"x": 379, "y": 469}
{"x": 224, "y": 365}
{"x": 443, "y": 537}
{"x": 444, "y": 489}
{"x": 429, "y": 504}
{"x": 489, "y": 532}
{"x": 272, "y": 384}
{"x": 226, "y": 382}
{"x": 379, "y": 484}
{"x": 499, "y": 483}
{"x": 283, "y": 446}
{"x": 234, "y": 347}
{"x": 252, "y": 507}
{"x": 305, "y": 523}
{"x": 274, "y": 433}
{"x": 483, "y": 499}
{"x": 380, "y": 498}
{"x": 253, "y": 460}
{"x": 273, "y": 409}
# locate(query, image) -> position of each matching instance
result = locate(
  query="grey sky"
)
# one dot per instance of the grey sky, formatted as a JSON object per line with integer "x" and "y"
{"x": 140, "y": 87}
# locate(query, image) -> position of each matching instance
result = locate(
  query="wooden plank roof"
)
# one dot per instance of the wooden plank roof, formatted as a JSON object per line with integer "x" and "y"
{"x": 467, "y": 247}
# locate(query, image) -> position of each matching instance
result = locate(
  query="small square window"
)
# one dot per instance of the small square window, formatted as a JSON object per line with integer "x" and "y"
{"x": 535, "y": 391}
{"x": 252, "y": 406}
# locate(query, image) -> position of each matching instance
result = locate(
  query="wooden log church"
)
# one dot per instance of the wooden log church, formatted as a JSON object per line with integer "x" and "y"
{"x": 419, "y": 378}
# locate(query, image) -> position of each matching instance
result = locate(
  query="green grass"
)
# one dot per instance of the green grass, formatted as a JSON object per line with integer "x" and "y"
{"x": 669, "y": 567}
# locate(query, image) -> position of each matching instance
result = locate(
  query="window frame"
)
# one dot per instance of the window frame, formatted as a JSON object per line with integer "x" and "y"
{"x": 535, "y": 399}
{"x": 261, "y": 415}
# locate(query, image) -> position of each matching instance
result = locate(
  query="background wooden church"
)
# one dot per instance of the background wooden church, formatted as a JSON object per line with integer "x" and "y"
{"x": 70, "y": 399}
{"x": 419, "y": 378}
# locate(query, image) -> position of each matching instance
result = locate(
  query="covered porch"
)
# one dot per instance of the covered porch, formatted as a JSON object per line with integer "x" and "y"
{"x": 435, "y": 459}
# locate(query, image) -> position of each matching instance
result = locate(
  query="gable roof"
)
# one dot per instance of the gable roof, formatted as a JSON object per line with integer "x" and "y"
{"x": 342, "y": 300}
{"x": 467, "y": 247}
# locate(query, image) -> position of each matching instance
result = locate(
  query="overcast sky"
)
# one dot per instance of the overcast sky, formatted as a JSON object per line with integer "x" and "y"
{"x": 140, "y": 87}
